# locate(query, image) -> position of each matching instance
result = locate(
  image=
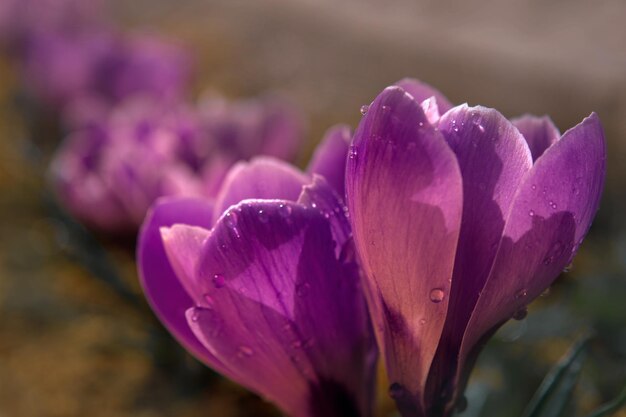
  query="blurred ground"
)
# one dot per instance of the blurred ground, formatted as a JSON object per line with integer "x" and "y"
{"x": 71, "y": 347}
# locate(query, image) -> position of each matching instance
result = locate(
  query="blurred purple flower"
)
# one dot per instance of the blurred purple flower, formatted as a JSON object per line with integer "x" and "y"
{"x": 460, "y": 221}
{"x": 262, "y": 286}
{"x": 20, "y": 19}
{"x": 143, "y": 63}
{"x": 117, "y": 163}
{"x": 59, "y": 68}
{"x": 240, "y": 129}
{"x": 109, "y": 172}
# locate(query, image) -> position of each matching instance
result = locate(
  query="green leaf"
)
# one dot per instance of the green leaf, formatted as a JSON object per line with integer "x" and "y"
{"x": 611, "y": 407}
{"x": 555, "y": 391}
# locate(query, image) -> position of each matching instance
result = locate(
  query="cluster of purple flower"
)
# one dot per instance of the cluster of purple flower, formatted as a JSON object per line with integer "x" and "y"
{"x": 424, "y": 231}
{"x": 132, "y": 136}
{"x": 414, "y": 238}
{"x": 114, "y": 166}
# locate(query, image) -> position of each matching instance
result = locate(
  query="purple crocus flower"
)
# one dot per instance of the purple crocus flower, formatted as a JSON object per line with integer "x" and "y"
{"x": 109, "y": 172}
{"x": 461, "y": 218}
{"x": 60, "y": 67}
{"x": 240, "y": 129}
{"x": 144, "y": 63}
{"x": 20, "y": 19}
{"x": 117, "y": 163}
{"x": 262, "y": 286}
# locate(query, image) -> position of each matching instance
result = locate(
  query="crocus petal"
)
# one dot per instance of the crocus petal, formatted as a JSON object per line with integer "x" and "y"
{"x": 261, "y": 178}
{"x": 551, "y": 214}
{"x": 404, "y": 191}
{"x": 283, "y": 314}
{"x": 539, "y": 132}
{"x": 422, "y": 91}
{"x": 329, "y": 159}
{"x": 163, "y": 290}
{"x": 493, "y": 157}
{"x": 319, "y": 195}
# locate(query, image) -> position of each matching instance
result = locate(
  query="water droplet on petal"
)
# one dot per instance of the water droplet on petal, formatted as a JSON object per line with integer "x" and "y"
{"x": 284, "y": 210}
{"x": 396, "y": 391}
{"x": 534, "y": 187}
{"x": 352, "y": 154}
{"x": 231, "y": 223}
{"x": 437, "y": 295}
{"x": 195, "y": 316}
{"x": 263, "y": 217}
{"x": 520, "y": 314}
{"x": 303, "y": 289}
{"x": 521, "y": 293}
{"x": 219, "y": 281}
{"x": 364, "y": 109}
{"x": 531, "y": 213}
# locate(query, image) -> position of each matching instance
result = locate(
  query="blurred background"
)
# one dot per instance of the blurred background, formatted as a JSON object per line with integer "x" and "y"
{"x": 76, "y": 336}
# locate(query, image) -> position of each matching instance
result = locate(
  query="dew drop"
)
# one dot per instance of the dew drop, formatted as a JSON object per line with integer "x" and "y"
{"x": 353, "y": 153}
{"x": 521, "y": 293}
{"x": 531, "y": 213}
{"x": 520, "y": 314}
{"x": 364, "y": 109}
{"x": 302, "y": 290}
{"x": 219, "y": 281}
{"x": 284, "y": 210}
{"x": 195, "y": 316}
{"x": 437, "y": 295}
{"x": 263, "y": 216}
{"x": 396, "y": 391}
{"x": 231, "y": 223}
{"x": 534, "y": 187}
